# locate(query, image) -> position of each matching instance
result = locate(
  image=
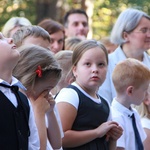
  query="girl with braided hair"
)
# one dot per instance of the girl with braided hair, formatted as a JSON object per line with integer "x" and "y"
{"x": 39, "y": 72}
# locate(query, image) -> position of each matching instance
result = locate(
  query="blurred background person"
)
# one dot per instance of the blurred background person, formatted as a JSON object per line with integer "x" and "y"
{"x": 32, "y": 35}
{"x": 13, "y": 24}
{"x": 64, "y": 58}
{"x": 144, "y": 112}
{"x": 76, "y": 23}
{"x": 71, "y": 42}
{"x": 108, "y": 44}
{"x": 57, "y": 34}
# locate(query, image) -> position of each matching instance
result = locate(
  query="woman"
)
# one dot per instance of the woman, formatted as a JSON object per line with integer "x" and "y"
{"x": 57, "y": 34}
{"x": 132, "y": 33}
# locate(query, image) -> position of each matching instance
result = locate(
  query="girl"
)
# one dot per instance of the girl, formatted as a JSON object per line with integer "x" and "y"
{"x": 39, "y": 72}
{"x": 144, "y": 111}
{"x": 84, "y": 114}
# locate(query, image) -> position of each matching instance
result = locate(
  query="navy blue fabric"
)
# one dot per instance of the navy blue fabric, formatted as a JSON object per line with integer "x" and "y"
{"x": 14, "y": 129}
{"x": 90, "y": 115}
{"x": 137, "y": 135}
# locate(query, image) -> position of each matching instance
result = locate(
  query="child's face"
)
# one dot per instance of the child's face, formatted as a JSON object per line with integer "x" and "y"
{"x": 90, "y": 71}
{"x": 8, "y": 51}
{"x": 37, "y": 41}
{"x": 147, "y": 99}
{"x": 44, "y": 85}
{"x": 140, "y": 94}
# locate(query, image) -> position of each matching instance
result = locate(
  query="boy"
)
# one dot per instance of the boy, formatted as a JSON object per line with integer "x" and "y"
{"x": 131, "y": 80}
{"x": 32, "y": 35}
{"x": 17, "y": 127}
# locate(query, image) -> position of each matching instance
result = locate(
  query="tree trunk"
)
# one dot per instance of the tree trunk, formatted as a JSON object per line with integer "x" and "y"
{"x": 46, "y": 9}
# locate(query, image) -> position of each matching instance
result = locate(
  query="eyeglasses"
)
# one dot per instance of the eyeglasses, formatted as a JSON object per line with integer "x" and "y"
{"x": 143, "y": 30}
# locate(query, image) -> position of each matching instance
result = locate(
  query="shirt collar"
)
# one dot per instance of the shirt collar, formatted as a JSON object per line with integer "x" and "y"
{"x": 15, "y": 81}
{"x": 122, "y": 108}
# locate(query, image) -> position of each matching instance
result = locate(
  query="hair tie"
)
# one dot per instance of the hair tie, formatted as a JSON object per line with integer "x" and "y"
{"x": 39, "y": 71}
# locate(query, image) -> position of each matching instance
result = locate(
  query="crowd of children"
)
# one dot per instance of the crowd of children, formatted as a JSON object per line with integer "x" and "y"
{"x": 70, "y": 94}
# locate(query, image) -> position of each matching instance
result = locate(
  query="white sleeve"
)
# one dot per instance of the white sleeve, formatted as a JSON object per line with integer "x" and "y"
{"x": 145, "y": 123}
{"x": 59, "y": 121}
{"x": 105, "y": 89}
{"x": 68, "y": 95}
{"x": 34, "y": 143}
{"x": 110, "y": 114}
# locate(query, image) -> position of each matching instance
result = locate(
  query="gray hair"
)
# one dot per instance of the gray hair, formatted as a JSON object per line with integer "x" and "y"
{"x": 127, "y": 21}
{"x": 14, "y": 22}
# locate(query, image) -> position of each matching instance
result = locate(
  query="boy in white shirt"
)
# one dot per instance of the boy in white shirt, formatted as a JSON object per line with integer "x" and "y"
{"x": 17, "y": 127}
{"x": 131, "y": 79}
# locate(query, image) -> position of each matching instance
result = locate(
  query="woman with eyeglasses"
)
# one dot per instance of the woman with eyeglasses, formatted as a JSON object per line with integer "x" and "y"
{"x": 132, "y": 33}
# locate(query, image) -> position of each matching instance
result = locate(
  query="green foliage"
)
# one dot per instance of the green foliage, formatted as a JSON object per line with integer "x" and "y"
{"x": 107, "y": 11}
{"x": 104, "y": 14}
{"x": 12, "y": 8}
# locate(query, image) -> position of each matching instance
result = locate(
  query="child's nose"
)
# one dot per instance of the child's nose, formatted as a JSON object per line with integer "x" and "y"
{"x": 10, "y": 40}
{"x": 95, "y": 68}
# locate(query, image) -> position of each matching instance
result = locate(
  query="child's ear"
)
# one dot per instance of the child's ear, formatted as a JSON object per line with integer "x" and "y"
{"x": 130, "y": 90}
{"x": 74, "y": 71}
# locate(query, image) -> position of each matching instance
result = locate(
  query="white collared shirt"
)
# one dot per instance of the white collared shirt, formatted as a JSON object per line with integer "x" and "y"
{"x": 34, "y": 143}
{"x": 122, "y": 115}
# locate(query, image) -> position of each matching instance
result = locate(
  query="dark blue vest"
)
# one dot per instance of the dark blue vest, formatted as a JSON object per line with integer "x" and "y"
{"x": 90, "y": 115}
{"x": 14, "y": 129}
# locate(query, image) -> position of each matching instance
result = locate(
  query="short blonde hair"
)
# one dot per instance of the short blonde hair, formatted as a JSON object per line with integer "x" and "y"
{"x": 64, "y": 58}
{"x": 71, "y": 42}
{"x": 29, "y": 31}
{"x": 31, "y": 57}
{"x": 130, "y": 72}
{"x": 14, "y": 22}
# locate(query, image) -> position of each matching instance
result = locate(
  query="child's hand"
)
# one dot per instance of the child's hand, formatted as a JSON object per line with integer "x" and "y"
{"x": 42, "y": 103}
{"x": 105, "y": 127}
{"x": 114, "y": 133}
{"x": 51, "y": 102}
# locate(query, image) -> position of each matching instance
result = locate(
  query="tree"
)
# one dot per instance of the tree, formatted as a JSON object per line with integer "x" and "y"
{"x": 103, "y": 17}
{"x": 106, "y": 13}
{"x": 46, "y": 9}
{"x": 12, "y": 8}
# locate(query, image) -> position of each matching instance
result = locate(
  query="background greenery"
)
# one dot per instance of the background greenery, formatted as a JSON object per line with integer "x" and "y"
{"x": 102, "y": 13}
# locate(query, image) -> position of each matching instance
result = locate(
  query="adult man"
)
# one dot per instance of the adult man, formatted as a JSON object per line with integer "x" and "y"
{"x": 76, "y": 23}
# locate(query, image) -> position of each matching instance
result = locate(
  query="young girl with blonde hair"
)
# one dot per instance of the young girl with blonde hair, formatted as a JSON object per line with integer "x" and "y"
{"x": 144, "y": 112}
{"x": 84, "y": 114}
{"x": 39, "y": 72}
